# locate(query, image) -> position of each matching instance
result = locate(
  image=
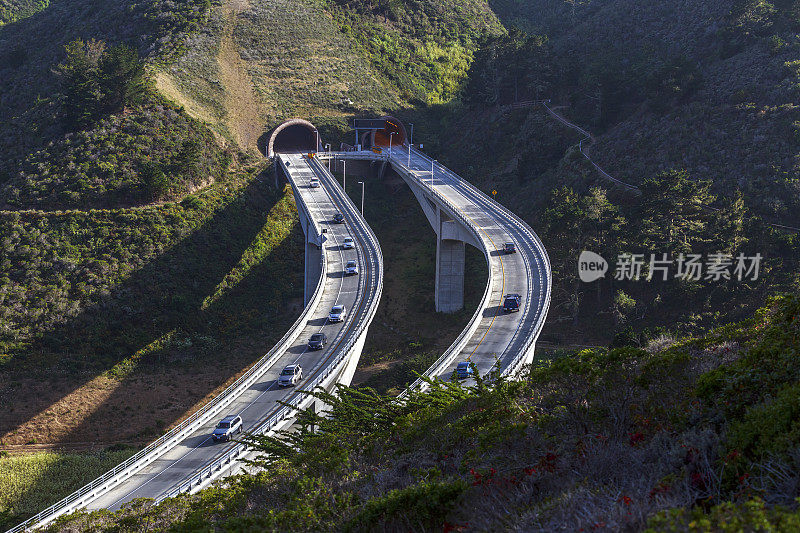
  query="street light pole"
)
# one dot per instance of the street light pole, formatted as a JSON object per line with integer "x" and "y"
{"x": 362, "y": 198}
{"x": 316, "y": 148}
{"x": 410, "y": 142}
{"x": 433, "y": 162}
{"x": 344, "y": 175}
{"x": 390, "y": 143}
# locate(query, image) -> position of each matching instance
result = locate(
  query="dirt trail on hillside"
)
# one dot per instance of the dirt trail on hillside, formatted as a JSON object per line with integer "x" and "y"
{"x": 243, "y": 119}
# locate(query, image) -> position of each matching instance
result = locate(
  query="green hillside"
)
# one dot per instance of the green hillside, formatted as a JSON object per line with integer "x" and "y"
{"x": 13, "y": 10}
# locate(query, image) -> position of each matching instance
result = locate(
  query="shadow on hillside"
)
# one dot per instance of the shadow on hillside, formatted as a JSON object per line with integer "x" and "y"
{"x": 166, "y": 295}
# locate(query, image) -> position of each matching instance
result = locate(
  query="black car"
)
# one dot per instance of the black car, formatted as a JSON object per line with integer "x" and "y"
{"x": 317, "y": 341}
{"x": 509, "y": 248}
{"x": 511, "y": 303}
{"x": 338, "y": 218}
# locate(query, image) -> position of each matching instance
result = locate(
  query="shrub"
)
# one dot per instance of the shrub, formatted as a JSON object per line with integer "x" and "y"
{"x": 425, "y": 504}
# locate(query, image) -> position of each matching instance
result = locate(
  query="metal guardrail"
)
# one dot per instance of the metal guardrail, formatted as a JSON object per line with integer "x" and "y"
{"x": 167, "y": 441}
{"x": 544, "y": 299}
{"x": 300, "y": 400}
{"x": 544, "y": 284}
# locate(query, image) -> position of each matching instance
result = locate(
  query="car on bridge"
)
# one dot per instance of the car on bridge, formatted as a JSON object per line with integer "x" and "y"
{"x": 511, "y": 303}
{"x": 290, "y": 375}
{"x": 314, "y": 183}
{"x": 337, "y": 313}
{"x": 465, "y": 370}
{"x": 227, "y": 427}
{"x": 338, "y": 218}
{"x": 509, "y": 248}
{"x": 351, "y": 268}
{"x": 348, "y": 243}
{"x": 317, "y": 341}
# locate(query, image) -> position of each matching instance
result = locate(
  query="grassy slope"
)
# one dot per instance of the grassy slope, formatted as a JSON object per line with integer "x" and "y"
{"x": 12, "y": 10}
{"x": 106, "y": 311}
{"x": 33, "y": 481}
{"x": 735, "y": 129}
{"x": 597, "y": 430}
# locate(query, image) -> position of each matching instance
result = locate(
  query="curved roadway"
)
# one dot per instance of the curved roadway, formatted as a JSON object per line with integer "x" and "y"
{"x": 358, "y": 293}
{"x": 498, "y": 338}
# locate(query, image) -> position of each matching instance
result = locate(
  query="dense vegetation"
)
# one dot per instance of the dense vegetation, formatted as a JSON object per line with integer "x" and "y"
{"x": 84, "y": 265}
{"x": 596, "y": 430}
{"x": 424, "y": 47}
{"x": 153, "y": 152}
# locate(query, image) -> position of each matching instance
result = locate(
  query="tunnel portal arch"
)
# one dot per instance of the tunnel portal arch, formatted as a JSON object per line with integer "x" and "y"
{"x": 394, "y": 126}
{"x": 295, "y": 135}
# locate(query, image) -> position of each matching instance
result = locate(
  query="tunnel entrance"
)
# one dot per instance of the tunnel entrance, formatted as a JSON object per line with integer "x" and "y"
{"x": 377, "y": 132}
{"x": 392, "y": 128}
{"x": 296, "y": 135}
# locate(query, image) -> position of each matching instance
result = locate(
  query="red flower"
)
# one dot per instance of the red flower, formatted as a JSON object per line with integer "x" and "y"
{"x": 636, "y": 438}
{"x": 733, "y": 455}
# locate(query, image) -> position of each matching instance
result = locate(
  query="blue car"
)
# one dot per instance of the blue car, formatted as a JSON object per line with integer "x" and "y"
{"x": 464, "y": 370}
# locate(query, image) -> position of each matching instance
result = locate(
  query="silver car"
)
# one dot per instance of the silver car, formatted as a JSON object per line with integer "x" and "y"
{"x": 227, "y": 427}
{"x": 314, "y": 183}
{"x": 351, "y": 268}
{"x": 337, "y": 313}
{"x": 290, "y": 375}
{"x": 348, "y": 243}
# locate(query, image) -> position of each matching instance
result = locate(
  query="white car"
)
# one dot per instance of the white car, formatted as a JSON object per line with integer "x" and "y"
{"x": 227, "y": 427}
{"x": 351, "y": 268}
{"x": 348, "y": 243}
{"x": 290, "y": 375}
{"x": 337, "y": 313}
{"x": 314, "y": 183}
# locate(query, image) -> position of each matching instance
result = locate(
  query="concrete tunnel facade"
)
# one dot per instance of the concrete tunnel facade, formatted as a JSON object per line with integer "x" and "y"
{"x": 295, "y": 135}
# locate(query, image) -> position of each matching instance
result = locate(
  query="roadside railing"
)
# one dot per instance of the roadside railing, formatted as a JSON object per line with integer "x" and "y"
{"x": 543, "y": 298}
{"x": 301, "y": 401}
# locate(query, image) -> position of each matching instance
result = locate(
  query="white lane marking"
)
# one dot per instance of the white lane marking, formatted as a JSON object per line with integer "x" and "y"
{"x": 254, "y": 400}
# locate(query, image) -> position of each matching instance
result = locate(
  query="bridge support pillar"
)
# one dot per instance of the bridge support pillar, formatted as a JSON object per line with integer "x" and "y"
{"x": 449, "y": 275}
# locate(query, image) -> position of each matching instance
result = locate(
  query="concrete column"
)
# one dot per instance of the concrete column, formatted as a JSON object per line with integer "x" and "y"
{"x": 449, "y": 275}
{"x": 313, "y": 258}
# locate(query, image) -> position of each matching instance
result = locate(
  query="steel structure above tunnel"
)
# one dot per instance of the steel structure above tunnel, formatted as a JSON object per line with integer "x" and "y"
{"x": 378, "y": 131}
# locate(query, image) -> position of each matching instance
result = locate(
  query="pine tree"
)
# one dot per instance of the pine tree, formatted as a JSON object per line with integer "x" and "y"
{"x": 79, "y": 81}
{"x": 121, "y": 78}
